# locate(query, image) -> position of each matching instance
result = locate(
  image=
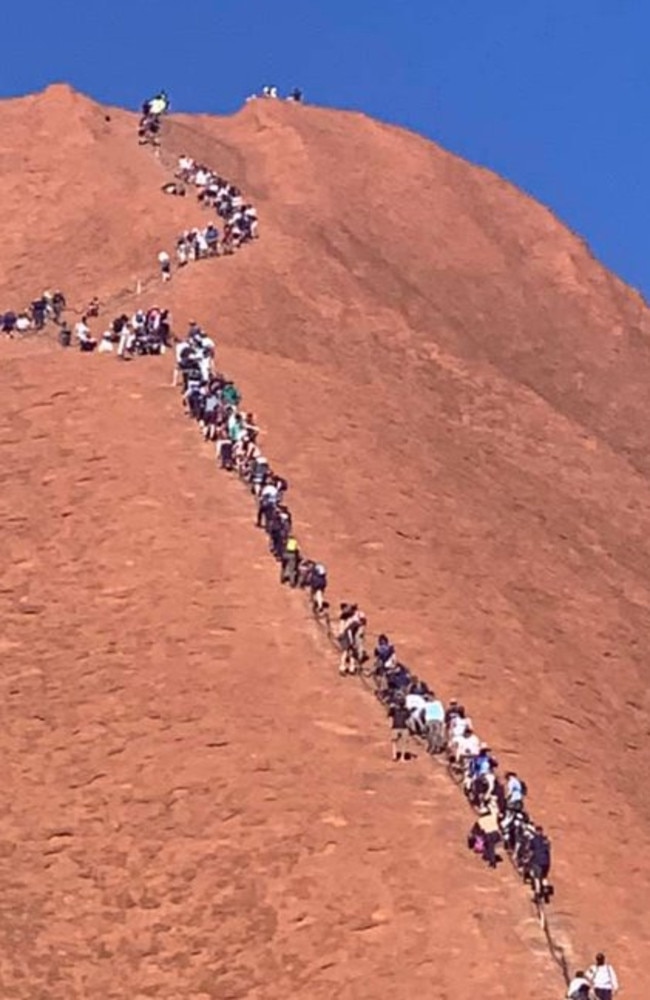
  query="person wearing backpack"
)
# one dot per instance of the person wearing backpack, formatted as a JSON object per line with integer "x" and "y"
{"x": 603, "y": 979}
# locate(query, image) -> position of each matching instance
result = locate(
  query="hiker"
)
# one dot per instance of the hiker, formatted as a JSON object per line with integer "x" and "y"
{"x": 57, "y": 305}
{"x": 400, "y": 736}
{"x": 296, "y": 95}
{"x": 39, "y": 309}
{"x": 352, "y": 624}
{"x": 83, "y": 335}
{"x": 538, "y": 864}
{"x": 603, "y": 978}
{"x": 267, "y": 502}
{"x": 165, "y": 265}
{"x": 318, "y": 586}
{"x": 9, "y": 322}
{"x": 515, "y": 791}
{"x": 434, "y": 724}
{"x": 416, "y": 704}
{"x": 156, "y": 106}
{"x": 290, "y": 560}
{"x": 385, "y": 658}
{"x": 484, "y": 836}
{"x": 578, "y": 988}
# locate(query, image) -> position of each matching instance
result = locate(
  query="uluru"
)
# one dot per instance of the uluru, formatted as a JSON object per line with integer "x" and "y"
{"x": 196, "y": 803}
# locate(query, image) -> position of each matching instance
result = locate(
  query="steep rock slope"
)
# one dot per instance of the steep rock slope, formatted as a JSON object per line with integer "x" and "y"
{"x": 457, "y": 392}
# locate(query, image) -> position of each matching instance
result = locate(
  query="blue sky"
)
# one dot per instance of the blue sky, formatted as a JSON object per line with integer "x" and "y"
{"x": 551, "y": 94}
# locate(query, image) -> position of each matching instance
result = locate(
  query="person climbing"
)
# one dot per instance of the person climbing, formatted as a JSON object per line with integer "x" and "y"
{"x": 267, "y": 503}
{"x": 156, "y": 106}
{"x": 398, "y": 714}
{"x": 485, "y": 832}
{"x": 39, "y": 310}
{"x": 385, "y": 658}
{"x": 434, "y": 724}
{"x": 317, "y": 587}
{"x": 515, "y": 791}
{"x": 538, "y": 864}
{"x": 352, "y": 623}
{"x": 603, "y": 978}
{"x": 290, "y": 561}
{"x": 165, "y": 265}
{"x": 578, "y": 988}
{"x": 58, "y": 305}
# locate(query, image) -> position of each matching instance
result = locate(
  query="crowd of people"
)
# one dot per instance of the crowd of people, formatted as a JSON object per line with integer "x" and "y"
{"x": 238, "y": 219}
{"x": 47, "y": 308}
{"x": 270, "y": 92}
{"x": 150, "y": 122}
{"x": 413, "y": 708}
{"x": 144, "y": 332}
{"x": 418, "y": 719}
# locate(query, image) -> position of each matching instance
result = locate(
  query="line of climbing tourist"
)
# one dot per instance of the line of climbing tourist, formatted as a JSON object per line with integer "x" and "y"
{"x": 150, "y": 122}
{"x": 419, "y": 720}
{"x": 239, "y": 219}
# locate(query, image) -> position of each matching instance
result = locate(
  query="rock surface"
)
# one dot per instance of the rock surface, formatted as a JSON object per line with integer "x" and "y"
{"x": 194, "y": 804}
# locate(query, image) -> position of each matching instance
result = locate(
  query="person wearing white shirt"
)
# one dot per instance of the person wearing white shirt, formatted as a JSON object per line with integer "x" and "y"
{"x": 603, "y": 979}
{"x": 578, "y": 988}
{"x": 415, "y": 705}
{"x": 457, "y": 730}
{"x": 165, "y": 265}
{"x": 467, "y": 745}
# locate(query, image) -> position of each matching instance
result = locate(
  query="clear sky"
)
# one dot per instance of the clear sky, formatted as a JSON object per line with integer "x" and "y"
{"x": 552, "y": 94}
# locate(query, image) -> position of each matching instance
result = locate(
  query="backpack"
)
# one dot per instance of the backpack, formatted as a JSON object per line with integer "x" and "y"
{"x": 524, "y": 787}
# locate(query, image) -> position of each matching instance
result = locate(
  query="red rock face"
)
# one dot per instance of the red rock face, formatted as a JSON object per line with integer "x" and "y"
{"x": 194, "y": 804}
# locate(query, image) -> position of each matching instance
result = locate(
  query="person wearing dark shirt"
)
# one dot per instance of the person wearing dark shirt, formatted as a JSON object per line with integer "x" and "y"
{"x": 399, "y": 716}
{"x": 539, "y": 861}
{"x": 384, "y": 654}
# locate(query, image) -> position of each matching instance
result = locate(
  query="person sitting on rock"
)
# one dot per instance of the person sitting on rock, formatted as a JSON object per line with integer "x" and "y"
{"x": 173, "y": 187}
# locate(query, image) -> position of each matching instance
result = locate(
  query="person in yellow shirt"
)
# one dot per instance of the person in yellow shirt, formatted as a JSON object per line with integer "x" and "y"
{"x": 290, "y": 562}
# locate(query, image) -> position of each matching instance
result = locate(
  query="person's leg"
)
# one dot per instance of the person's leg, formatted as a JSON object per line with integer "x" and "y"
{"x": 602, "y": 994}
{"x": 489, "y": 853}
{"x": 395, "y": 744}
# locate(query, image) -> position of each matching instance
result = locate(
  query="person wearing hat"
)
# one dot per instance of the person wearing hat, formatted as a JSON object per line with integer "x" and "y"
{"x": 603, "y": 979}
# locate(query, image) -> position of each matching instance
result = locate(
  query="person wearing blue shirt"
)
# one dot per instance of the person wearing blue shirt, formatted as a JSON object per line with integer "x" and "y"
{"x": 434, "y": 723}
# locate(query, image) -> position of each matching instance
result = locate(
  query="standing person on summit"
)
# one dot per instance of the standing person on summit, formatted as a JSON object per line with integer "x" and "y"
{"x": 603, "y": 979}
